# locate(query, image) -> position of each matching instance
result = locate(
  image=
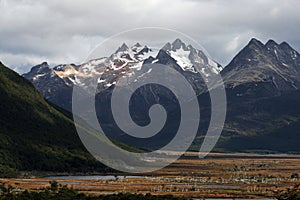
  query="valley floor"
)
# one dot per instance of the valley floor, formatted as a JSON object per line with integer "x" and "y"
{"x": 216, "y": 176}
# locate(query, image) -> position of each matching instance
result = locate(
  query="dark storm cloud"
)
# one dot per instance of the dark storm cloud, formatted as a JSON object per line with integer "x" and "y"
{"x": 66, "y": 31}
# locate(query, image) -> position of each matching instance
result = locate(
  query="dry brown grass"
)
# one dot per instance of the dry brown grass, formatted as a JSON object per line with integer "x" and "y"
{"x": 216, "y": 176}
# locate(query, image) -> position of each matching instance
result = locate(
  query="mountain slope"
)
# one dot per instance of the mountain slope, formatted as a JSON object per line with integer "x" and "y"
{"x": 34, "y": 135}
{"x": 54, "y": 88}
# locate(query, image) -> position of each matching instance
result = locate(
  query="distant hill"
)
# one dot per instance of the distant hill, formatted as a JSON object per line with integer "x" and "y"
{"x": 34, "y": 136}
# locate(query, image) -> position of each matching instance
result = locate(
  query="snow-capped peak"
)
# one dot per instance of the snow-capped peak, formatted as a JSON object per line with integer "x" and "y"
{"x": 191, "y": 59}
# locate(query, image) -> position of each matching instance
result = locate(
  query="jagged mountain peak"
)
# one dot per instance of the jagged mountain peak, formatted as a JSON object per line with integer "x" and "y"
{"x": 144, "y": 50}
{"x": 253, "y": 46}
{"x": 122, "y": 48}
{"x": 167, "y": 46}
{"x": 255, "y": 42}
{"x": 282, "y": 52}
{"x": 41, "y": 68}
{"x": 43, "y": 64}
{"x": 286, "y": 47}
{"x": 190, "y": 58}
{"x": 274, "y": 66}
{"x": 163, "y": 56}
{"x": 177, "y": 44}
{"x": 137, "y": 45}
{"x": 271, "y": 44}
{"x": 252, "y": 49}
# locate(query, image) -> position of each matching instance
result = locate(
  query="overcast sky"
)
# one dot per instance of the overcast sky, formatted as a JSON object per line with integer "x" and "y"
{"x": 65, "y": 31}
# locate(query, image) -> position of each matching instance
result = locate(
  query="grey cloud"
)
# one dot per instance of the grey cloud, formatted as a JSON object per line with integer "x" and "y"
{"x": 66, "y": 31}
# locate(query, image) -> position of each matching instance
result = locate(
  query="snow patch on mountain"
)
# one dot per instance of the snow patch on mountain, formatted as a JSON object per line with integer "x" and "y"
{"x": 182, "y": 58}
{"x": 38, "y": 76}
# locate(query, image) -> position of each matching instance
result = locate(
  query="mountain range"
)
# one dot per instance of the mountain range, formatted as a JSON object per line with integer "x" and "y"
{"x": 262, "y": 86}
{"x": 126, "y": 61}
{"x": 56, "y": 84}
